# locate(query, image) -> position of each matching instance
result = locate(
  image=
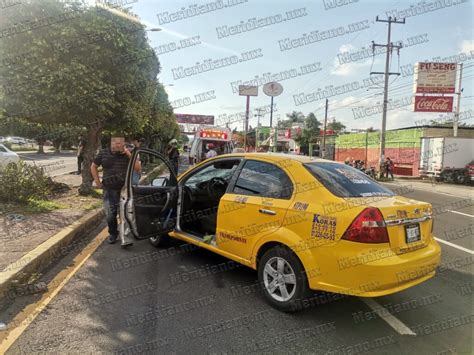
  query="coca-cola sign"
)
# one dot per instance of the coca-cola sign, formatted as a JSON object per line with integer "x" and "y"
{"x": 433, "y": 104}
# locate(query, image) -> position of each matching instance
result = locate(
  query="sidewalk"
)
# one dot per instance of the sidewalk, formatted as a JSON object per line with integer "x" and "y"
{"x": 461, "y": 191}
{"x": 29, "y": 241}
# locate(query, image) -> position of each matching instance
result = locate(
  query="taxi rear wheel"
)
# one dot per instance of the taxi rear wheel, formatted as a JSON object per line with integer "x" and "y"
{"x": 283, "y": 279}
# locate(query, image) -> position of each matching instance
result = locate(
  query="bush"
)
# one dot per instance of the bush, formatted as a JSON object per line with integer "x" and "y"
{"x": 20, "y": 182}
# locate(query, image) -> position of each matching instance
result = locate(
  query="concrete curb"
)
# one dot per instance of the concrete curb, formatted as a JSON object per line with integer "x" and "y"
{"x": 39, "y": 258}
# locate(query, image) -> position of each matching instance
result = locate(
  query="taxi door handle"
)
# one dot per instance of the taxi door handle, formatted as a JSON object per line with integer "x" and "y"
{"x": 264, "y": 211}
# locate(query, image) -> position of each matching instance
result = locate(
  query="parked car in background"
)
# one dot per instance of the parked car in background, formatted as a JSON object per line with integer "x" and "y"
{"x": 17, "y": 140}
{"x": 7, "y": 156}
{"x": 2, "y": 139}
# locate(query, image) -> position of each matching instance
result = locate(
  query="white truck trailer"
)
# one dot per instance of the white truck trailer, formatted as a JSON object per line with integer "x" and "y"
{"x": 446, "y": 158}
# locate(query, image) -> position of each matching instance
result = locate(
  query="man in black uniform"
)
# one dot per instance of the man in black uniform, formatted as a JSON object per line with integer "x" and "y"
{"x": 114, "y": 161}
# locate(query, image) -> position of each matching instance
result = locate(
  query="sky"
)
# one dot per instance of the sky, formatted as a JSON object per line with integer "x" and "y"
{"x": 305, "y": 68}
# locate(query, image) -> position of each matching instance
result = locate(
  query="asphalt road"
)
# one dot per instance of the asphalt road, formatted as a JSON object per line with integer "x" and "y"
{"x": 163, "y": 315}
{"x": 54, "y": 164}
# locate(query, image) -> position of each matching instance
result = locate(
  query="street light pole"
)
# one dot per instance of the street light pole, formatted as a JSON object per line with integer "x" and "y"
{"x": 456, "y": 115}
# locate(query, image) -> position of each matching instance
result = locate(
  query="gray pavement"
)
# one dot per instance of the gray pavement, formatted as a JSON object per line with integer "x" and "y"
{"x": 54, "y": 164}
{"x": 97, "y": 311}
{"x": 439, "y": 187}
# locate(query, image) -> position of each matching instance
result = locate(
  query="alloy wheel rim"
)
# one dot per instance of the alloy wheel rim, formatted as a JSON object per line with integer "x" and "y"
{"x": 279, "y": 279}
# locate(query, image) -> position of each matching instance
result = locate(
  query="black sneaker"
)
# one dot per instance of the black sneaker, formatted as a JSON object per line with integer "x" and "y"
{"x": 112, "y": 239}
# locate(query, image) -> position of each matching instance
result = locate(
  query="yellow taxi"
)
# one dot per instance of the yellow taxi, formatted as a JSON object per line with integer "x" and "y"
{"x": 303, "y": 223}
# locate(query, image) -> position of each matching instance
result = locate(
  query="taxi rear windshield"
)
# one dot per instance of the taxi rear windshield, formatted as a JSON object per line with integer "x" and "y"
{"x": 345, "y": 181}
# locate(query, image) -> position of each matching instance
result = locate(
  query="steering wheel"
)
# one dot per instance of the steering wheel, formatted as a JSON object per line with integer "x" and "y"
{"x": 216, "y": 187}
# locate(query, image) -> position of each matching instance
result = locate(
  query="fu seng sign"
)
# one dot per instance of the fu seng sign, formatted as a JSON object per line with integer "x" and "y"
{"x": 435, "y": 78}
{"x": 433, "y": 104}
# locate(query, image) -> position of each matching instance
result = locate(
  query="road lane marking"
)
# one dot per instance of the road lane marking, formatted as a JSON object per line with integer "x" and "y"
{"x": 391, "y": 320}
{"x": 30, "y": 312}
{"x": 455, "y": 246}
{"x": 462, "y": 214}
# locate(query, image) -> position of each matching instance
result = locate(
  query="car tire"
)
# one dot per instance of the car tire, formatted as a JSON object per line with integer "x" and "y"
{"x": 289, "y": 265}
{"x": 159, "y": 240}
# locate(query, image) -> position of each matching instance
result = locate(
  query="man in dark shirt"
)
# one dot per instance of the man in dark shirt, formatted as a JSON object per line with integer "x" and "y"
{"x": 114, "y": 161}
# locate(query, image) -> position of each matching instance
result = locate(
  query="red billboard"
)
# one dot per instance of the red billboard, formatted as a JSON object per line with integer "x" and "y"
{"x": 194, "y": 119}
{"x": 433, "y": 104}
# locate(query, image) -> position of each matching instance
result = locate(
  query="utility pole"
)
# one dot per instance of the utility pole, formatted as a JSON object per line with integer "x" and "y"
{"x": 366, "y": 146}
{"x": 324, "y": 130}
{"x": 258, "y": 126}
{"x": 390, "y": 46}
{"x": 456, "y": 115}
{"x": 246, "y": 124}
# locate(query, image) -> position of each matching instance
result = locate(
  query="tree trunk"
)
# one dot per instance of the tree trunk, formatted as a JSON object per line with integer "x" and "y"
{"x": 92, "y": 143}
{"x": 40, "y": 149}
{"x": 57, "y": 146}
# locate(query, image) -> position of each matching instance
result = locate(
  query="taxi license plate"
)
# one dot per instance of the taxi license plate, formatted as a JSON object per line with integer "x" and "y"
{"x": 412, "y": 232}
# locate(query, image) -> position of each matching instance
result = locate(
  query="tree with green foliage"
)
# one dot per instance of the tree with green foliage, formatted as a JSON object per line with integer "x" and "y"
{"x": 310, "y": 132}
{"x": 79, "y": 66}
{"x": 162, "y": 125}
{"x": 336, "y": 126}
{"x": 183, "y": 139}
{"x": 294, "y": 117}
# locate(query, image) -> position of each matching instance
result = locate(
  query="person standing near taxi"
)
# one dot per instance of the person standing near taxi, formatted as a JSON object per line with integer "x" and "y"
{"x": 173, "y": 154}
{"x": 114, "y": 161}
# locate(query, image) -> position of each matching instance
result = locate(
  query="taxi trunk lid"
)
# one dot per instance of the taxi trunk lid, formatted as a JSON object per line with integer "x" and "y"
{"x": 408, "y": 222}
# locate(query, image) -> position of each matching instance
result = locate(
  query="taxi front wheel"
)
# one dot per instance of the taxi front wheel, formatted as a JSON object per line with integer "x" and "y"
{"x": 159, "y": 240}
{"x": 283, "y": 279}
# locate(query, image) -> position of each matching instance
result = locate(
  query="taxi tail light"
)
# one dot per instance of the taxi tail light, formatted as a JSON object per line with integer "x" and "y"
{"x": 368, "y": 227}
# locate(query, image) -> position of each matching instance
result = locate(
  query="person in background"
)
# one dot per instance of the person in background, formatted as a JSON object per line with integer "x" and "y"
{"x": 389, "y": 167}
{"x": 173, "y": 154}
{"x": 80, "y": 153}
{"x": 114, "y": 161}
{"x": 134, "y": 144}
{"x": 210, "y": 152}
